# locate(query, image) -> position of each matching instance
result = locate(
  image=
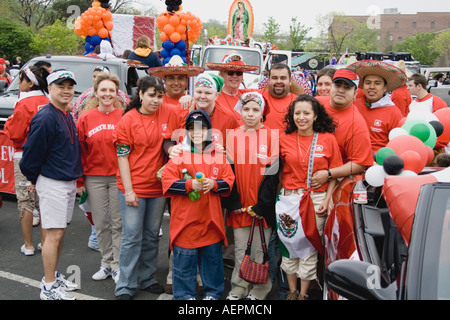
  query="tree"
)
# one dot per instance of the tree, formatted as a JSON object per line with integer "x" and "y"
{"x": 297, "y": 33}
{"x": 362, "y": 40}
{"x": 420, "y": 47}
{"x": 15, "y": 40}
{"x": 442, "y": 43}
{"x": 33, "y": 13}
{"x": 271, "y": 30}
{"x": 337, "y": 29}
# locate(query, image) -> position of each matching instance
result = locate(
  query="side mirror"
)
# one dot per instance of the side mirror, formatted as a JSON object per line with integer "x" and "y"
{"x": 432, "y": 83}
{"x": 358, "y": 280}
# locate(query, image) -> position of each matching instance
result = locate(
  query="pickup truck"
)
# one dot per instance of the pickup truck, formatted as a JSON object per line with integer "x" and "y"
{"x": 128, "y": 72}
{"x": 396, "y": 246}
{"x": 442, "y": 91}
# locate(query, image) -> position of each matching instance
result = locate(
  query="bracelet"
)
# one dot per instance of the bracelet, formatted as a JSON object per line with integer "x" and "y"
{"x": 329, "y": 175}
{"x": 129, "y": 193}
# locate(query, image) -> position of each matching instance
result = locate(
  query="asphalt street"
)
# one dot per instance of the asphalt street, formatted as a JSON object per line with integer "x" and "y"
{"x": 20, "y": 275}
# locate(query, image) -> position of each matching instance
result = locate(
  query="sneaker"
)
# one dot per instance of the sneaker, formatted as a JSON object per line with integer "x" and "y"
{"x": 209, "y": 298}
{"x": 56, "y": 292}
{"x": 39, "y": 246}
{"x": 231, "y": 296}
{"x": 65, "y": 284}
{"x": 155, "y": 288}
{"x": 102, "y": 274}
{"x": 116, "y": 275}
{"x": 250, "y": 297}
{"x": 27, "y": 252}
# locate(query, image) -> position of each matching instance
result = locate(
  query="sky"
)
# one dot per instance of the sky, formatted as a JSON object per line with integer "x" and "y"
{"x": 305, "y": 11}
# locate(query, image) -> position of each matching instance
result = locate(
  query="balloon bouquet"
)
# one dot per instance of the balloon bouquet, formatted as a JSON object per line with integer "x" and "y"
{"x": 95, "y": 25}
{"x": 178, "y": 31}
{"x": 410, "y": 147}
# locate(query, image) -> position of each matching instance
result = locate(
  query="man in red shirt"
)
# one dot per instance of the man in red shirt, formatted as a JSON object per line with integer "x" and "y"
{"x": 376, "y": 106}
{"x": 425, "y": 102}
{"x": 351, "y": 132}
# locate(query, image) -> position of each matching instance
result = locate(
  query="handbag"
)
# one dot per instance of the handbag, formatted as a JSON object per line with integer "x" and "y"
{"x": 251, "y": 271}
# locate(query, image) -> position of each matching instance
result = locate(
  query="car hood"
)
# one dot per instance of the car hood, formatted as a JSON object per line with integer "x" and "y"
{"x": 7, "y": 102}
{"x": 401, "y": 194}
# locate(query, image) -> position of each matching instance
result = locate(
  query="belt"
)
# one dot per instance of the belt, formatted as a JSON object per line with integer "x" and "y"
{"x": 289, "y": 192}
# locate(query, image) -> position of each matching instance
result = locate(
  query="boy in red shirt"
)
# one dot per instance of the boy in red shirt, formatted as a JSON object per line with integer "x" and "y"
{"x": 196, "y": 228}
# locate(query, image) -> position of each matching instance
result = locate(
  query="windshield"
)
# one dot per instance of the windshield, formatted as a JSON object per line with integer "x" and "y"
{"x": 216, "y": 54}
{"x": 83, "y": 73}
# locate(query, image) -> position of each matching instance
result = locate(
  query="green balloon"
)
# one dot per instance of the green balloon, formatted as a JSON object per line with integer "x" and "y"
{"x": 383, "y": 153}
{"x": 431, "y": 141}
{"x": 421, "y": 131}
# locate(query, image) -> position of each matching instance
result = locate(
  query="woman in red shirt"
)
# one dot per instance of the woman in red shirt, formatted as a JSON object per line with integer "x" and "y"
{"x": 139, "y": 137}
{"x": 252, "y": 149}
{"x": 95, "y": 127}
{"x": 306, "y": 144}
{"x": 32, "y": 97}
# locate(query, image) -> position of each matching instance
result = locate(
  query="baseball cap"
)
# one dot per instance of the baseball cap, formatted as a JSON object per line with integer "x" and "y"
{"x": 198, "y": 116}
{"x": 348, "y": 76}
{"x": 59, "y": 76}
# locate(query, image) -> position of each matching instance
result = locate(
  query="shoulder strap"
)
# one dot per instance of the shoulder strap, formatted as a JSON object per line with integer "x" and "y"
{"x": 311, "y": 158}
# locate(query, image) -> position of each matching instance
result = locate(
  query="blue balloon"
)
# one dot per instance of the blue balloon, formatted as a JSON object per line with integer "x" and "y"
{"x": 88, "y": 47}
{"x": 165, "y": 53}
{"x": 175, "y": 52}
{"x": 88, "y": 39}
{"x": 181, "y": 45}
{"x": 168, "y": 45}
{"x": 183, "y": 53}
{"x": 166, "y": 60}
{"x": 95, "y": 40}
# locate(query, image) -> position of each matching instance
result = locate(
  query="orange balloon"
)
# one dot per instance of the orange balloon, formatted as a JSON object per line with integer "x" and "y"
{"x": 169, "y": 29}
{"x": 174, "y": 20}
{"x": 109, "y": 25}
{"x": 163, "y": 20}
{"x": 98, "y": 25}
{"x": 175, "y": 37}
{"x": 180, "y": 29}
{"x": 107, "y": 16}
{"x": 163, "y": 36}
{"x": 103, "y": 33}
{"x": 412, "y": 161}
{"x": 183, "y": 37}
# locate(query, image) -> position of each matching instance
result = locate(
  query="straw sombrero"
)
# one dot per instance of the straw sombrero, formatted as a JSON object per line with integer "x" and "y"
{"x": 298, "y": 85}
{"x": 393, "y": 75}
{"x": 401, "y": 64}
{"x": 233, "y": 61}
{"x": 175, "y": 66}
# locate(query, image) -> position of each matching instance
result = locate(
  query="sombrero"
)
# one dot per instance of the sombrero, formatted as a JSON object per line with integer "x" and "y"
{"x": 393, "y": 75}
{"x": 298, "y": 85}
{"x": 233, "y": 61}
{"x": 175, "y": 66}
{"x": 401, "y": 64}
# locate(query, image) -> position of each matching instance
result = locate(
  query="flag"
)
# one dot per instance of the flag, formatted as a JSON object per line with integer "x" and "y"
{"x": 296, "y": 226}
{"x": 84, "y": 205}
{"x": 128, "y": 28}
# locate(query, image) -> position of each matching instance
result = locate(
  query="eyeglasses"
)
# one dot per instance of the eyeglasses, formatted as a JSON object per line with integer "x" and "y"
{"x": 238, "y": 73}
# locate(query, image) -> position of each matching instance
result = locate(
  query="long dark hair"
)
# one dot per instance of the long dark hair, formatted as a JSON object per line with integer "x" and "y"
{"x": 323, "y": 123}
{"x": 144, "y": 84}
{"x": 41, "y": 75}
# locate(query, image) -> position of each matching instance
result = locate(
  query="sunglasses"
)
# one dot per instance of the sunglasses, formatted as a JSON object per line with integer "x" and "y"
{"x": 238, "y": 73}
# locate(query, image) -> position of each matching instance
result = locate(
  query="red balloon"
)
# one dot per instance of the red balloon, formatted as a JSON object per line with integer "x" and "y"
{"x": 405, "y": 143}
{"x": 444, "y": 117}
{"x": 412, "y": 161}
{"x": 430, "y": 154}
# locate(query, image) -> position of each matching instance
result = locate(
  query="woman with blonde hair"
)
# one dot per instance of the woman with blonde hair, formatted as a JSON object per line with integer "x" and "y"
{"x": 144, "y": 53}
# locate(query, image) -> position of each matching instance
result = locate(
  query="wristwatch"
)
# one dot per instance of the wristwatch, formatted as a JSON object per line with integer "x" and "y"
{"x": 329, "y": 175}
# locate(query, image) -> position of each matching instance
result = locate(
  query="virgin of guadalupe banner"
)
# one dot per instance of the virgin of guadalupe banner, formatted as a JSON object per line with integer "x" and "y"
{"x": 241, "y": 21}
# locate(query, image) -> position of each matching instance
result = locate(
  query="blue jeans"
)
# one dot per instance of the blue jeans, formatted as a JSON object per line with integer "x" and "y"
{"x": 210, "y": 265}
{"x": 138, "y": 257}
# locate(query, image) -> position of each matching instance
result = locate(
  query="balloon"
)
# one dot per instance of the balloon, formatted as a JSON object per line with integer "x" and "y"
{"x": 91, "y": 31}
{"x": 431, "y": 141}
{"x": 393, "y": 164}
{"x": 103, "y": 33}
{"x": 430, "y": 154}
{"x": 163, "y": 37}
{"x": 175, "y": 37}
{"x": 421, "y": 115}
{"x": 174, "y": 20}
{"x": 412, "y": 161}
{"x": 175, "y": 52}
{"x": 95, "y": 40}
{"x": 109, "y": 25}
{"x": 169, "y": 29}
{"x": 181, "y": 45}
{"x": 107, "y": 16}
{"x": 407, "y": 173}
{"x": 181, "y": 29}
{"x": 402, "y": 144}
{"x": 375, "y": 176}
{"x": 421, "y": 131}
{"x": 397, "y": 132}
{"x": 443, "y": 116}
{"x": 383, "y": 153}
{"x": 164, "y": 53}
{"x": 438, "y": 127}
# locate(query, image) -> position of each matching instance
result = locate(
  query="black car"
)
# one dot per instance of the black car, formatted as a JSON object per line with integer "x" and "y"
{"x": 128, "y": 72}
{"x": 404, "y": 249}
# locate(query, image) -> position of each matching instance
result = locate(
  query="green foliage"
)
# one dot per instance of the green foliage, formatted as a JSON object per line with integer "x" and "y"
{"x": 57, "y": 39}
{"x": 15, "y": 40}
{"x": 271, "y": 30}
{"x": 421, "y": 47}
{"x": 297, "y": 33}
{"x": 442, "y": 43}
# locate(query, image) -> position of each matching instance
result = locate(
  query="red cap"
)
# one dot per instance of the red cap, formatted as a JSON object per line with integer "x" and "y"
{"x": 348, "y": 76}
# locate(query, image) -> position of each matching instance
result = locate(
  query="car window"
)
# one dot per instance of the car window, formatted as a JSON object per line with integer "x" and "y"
{"x": 444, "y": 257}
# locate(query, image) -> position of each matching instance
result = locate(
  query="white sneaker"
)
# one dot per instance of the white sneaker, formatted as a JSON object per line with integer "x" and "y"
{"x": 27, "y": 252}
{"x": 116, "y": 275}
{"x": 231, "y": 296}
{"x": 250, "y": 297}
{"x": 102, "y": 274}
{"x": 65, "y": 284}
{"x": 56, "y": 292}
{"x": 209, "y": 298}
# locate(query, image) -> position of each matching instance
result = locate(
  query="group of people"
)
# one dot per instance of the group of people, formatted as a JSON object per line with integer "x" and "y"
{"x": 220, "y": 161}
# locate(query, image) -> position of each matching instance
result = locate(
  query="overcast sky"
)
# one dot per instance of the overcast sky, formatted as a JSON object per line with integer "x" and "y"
{"x": 305, "y": 11}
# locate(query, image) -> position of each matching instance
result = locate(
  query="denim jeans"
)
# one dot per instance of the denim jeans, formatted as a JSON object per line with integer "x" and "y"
{"x": 138, "y": 257}
{"x": 210, "y": 265}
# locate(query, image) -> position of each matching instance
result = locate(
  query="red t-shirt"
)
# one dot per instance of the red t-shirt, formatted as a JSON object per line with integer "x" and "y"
{"x": 195, "y": 224}
{"x": 17, "y": 126}
{"x": 380, "y": 121}
{"x": 250, "y": 151}
{"x": 351, "y": 133}
{"x": 95, "y": 132}
{"x": 295, "y": 162}
{"x": 145, "y": 135}
{"x": 402, "y": 99}
{"x": 278, "y": 110}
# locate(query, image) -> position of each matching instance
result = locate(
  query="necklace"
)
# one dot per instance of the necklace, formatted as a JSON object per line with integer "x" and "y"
{"x": 70, "y": 131}
{"x": 272, "y": 105}
{"x": 300, "y": 149}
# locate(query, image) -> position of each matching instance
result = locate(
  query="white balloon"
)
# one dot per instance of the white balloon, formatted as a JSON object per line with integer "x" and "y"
{"x": 407, "y": 173}
{"x": 422, "y": 115}
{"x": 396, "y": 132}
{"x": 375, "y": 175}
